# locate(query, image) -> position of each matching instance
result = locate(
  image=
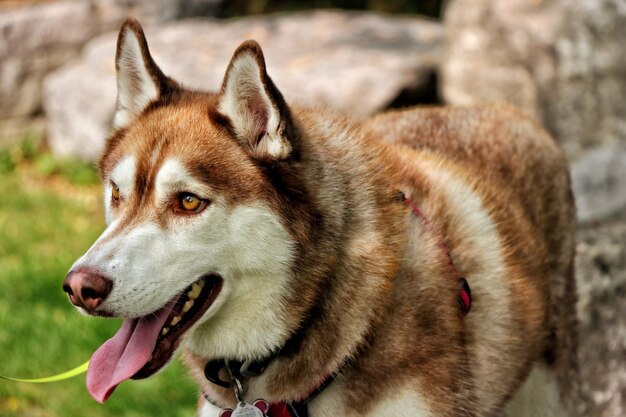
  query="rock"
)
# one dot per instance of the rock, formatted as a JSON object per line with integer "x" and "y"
{"x": 356, "y": 62}
{"x": 37, "y": 38}
{"x": 601, "y": 277}
{"x": 562, "y": 61}
{"x": 599, "y": 183}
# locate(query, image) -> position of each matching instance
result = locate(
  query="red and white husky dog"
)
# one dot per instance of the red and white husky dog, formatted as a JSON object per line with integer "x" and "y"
{"x": 332, "y": 255}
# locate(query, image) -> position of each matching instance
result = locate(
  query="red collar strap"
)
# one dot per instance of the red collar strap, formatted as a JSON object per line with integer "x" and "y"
{"x": 465, "y": 294}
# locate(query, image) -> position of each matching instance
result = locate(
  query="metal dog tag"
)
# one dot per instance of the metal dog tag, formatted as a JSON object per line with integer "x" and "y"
{"x": 247, "y": 410}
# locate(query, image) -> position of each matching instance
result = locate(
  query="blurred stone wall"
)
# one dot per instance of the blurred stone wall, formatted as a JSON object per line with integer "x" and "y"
{"x": 564, "y": 63}
{"x": 561, "y": 61}
{"x": 325, "y": 57}
{"x": 38, "y": 37}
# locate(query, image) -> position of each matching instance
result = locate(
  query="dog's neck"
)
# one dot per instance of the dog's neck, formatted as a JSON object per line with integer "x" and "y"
{"x": 350, "y": 242}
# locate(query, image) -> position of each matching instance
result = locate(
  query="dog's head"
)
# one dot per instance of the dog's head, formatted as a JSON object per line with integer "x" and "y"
{"x": 195, "y": 249}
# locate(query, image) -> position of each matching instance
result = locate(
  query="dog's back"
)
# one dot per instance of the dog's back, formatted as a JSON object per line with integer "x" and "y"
{"x": 508, "y": 174}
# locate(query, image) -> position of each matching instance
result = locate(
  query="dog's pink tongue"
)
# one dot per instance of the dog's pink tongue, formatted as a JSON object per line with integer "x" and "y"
{"x": 123, "y": 355}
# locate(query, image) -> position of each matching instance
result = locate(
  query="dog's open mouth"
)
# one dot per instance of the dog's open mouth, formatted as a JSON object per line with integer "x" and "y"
{"x": 189, "y": 307}
{"x": 143, "y": 346}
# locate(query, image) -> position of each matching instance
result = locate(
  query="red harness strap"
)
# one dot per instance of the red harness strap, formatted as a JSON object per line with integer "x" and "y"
{"x": 279, "y": 410}
{"x": 287, "y": 410}
{"x": 465, "y": 294}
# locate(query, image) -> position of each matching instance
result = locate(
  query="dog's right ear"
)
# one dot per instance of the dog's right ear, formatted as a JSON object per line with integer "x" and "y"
{"x": 255, "y": 108}
{"x": 139, "y": 80}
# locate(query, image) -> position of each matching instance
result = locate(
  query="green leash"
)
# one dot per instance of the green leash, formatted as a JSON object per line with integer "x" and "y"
{"x": 60, "y": 377}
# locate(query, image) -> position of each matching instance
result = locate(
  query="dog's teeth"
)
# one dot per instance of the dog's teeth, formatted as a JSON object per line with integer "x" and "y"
{"x": 175, "y": 320}
{"x": 194, "y": 293}
{"x": 164, "y": 331}
{"x": 187, "y": 306}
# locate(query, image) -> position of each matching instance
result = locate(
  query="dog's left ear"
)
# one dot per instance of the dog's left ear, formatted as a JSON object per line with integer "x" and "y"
{"x": 254, "y": 107}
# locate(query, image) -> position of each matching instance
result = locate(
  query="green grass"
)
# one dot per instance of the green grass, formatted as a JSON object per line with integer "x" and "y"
{"x": 49, "y": 215}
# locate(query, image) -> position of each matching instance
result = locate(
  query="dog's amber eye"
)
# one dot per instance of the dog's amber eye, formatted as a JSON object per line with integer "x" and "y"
{"x": 115, "y": 192}
{"x": 189, "y": 202}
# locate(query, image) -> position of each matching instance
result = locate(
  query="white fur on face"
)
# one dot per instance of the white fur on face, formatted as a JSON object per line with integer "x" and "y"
{"x": 151, "y": 265}
{"x": 174, "y": 178}
{"x": 256, "y": 269}
{"x": 135, "y": 86}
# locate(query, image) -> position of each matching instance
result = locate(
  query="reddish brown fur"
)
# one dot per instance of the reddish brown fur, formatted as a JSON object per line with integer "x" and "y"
{"x": 330, "y": 190}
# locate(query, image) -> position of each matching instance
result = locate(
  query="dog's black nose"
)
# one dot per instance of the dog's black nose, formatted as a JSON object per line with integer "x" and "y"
{"x": 86, "y": 288}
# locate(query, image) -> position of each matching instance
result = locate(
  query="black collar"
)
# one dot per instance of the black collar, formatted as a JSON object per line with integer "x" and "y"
{"x": 238, "y": 369}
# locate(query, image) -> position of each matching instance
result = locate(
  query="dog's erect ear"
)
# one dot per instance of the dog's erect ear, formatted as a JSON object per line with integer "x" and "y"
{"x": 139, "y": 79}
{"x": 255, "y": 108}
